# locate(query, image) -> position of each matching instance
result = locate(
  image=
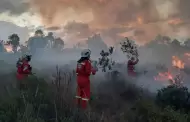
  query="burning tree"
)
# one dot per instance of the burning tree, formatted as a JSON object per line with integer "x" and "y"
{"x": 176, "y": 62}
{"x": 14, "y": 41}
{"x": 176, "y": 80}
{"x": 105, "y": 62}
{"x": 129, "y": 48}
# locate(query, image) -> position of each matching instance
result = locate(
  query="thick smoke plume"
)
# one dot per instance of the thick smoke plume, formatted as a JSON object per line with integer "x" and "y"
{"x": 14, "y": 7}
{"x": 139, "y": 19}
{"x": 149, "y": 17}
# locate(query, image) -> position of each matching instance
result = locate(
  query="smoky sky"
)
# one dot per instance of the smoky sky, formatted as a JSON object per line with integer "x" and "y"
{"x": 146, "y": 18}
{"x": 14, "y": 7}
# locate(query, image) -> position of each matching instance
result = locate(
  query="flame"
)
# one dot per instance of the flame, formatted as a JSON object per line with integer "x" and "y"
{"x": 8, "y": 48}
{"x": 175, "y": 21}
{"x": 165, "y": 76}
{"x": 173, "y": 79}
{"x": 176, "y": 62}
{"x": 140, "y": 20}
{"x": 187, "y": 54}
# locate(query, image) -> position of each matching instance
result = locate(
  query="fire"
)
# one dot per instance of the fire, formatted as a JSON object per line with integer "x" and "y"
{"x": 173, "y": 79}
{"x": 139, "y": 20}
{"x": 176, "y": 62}
{"x": 187, "y": 54}
{"x": 164, "y": 77}
{"x": 175, "y": 21}
{"x": 8, "y": 48}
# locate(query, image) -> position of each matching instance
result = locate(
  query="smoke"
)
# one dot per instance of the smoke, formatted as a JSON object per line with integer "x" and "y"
{"x": 128, "y": 17}
{"x": 14, "y": 7}
{"x": 151, "y": 16}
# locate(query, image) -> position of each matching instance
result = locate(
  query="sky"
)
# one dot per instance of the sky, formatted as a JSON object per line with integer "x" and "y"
{"x": 76, "y": 20}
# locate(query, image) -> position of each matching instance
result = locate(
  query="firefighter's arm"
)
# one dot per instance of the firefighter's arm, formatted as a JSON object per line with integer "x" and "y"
{"x": 137, "y": 61}
{"x": 93, "y": 71}
{"x": 27, "y": 69}
{"x": 88, "y": 68}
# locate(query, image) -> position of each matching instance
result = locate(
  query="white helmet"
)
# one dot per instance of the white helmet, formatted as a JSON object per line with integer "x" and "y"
{"x": 85, "y": 53}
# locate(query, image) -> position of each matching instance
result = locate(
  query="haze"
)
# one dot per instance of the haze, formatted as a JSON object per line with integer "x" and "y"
{"x": 139, "y": 19}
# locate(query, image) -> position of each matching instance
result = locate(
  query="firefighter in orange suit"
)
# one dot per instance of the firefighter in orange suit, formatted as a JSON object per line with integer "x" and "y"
{"x": 84, "y": 70}
{"x": 131, "y": 66}
{"x": 23, "y": 70}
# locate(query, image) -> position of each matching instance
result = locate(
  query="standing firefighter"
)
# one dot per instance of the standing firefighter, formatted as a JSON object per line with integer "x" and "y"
{"x": 84, "y": 70}
{"x": 23, "y": 70}
{"x": 131, "y": 66}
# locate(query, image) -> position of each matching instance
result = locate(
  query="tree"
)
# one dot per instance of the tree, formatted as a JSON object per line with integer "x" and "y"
{"x": 187, "y": 43}
{"x": 95, "y": 43}
{"x": 59, "y": 43}
{"x": 175, "y": 42}
{"x": 14, "y": 41}
{"x": 177, "y": 97}
{"x": 50, "y": 39}
{"x": 39, "y": 33}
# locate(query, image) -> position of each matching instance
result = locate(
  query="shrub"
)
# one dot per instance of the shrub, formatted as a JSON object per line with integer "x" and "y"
{"x": 53, "y": 102}
{"x": 176, "y": 97}
{"x": 148, "y": 111}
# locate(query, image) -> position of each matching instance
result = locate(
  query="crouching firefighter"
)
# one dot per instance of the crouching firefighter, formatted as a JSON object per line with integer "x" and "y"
{"x": 23, "y": 70}
{"x": 84, "y": 70}
{"x": 131, "y": 66}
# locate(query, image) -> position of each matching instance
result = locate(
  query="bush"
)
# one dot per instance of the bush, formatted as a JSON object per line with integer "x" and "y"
{"x": 148, "y": 111}
{"x": 176, "y": 97}
{"x": 53, "y": 102}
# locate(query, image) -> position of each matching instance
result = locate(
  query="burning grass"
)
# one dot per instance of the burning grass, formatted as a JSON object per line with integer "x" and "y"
{"x": 54, "y": 102}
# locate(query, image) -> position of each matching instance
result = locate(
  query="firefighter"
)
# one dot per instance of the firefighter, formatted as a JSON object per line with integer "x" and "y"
{"x": 131, "y": 66}
{"x": 23, "y": 70}
{"x": 84, "y": 70}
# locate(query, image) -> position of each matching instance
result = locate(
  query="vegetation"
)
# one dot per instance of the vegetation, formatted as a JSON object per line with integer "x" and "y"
{"x": 54, "y": 102}
{"x": 174, "y": 96}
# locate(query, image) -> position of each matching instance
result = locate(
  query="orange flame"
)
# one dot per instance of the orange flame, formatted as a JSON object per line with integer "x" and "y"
{"x": 164, "y": 77}
{"x": 176, "y": 62}
{"x": 140, "y": 20}
{"x": 187, "y": 55}
{"x": 8, "y": 48}
{"x": 175, "y": 21}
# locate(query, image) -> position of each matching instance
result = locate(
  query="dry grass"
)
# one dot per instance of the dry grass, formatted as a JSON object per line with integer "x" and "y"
{"x": 114, "y": 101}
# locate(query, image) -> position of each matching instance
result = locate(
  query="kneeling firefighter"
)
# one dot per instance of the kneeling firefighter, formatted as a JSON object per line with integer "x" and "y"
{"x": 84, "y": 70}
{"x": 23, "y": 70}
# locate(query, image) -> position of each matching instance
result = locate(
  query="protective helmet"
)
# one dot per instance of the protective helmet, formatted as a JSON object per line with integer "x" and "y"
{"x": 85, "y": 53}
{"x": 27, "y": 57}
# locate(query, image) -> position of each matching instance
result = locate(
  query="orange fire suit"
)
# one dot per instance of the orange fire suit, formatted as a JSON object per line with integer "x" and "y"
{"x": 131, "y": 67}
{"x": 23, "y": 70}
{"x": 84, "y": 70}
